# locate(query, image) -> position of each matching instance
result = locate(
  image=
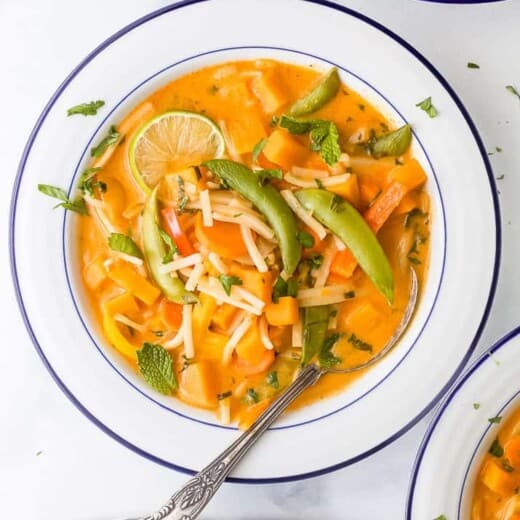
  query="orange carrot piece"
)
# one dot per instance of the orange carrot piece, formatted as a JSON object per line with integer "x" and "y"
{"x": 251, "y": 414}
{"x": 285, "y": 312}
{"x": 348, "y": 190}
{"x": 368, "y": 191}
{"x": 283, "y": 149}
{"x": 497, "y": 479}
{"x": 377, "y": 214}
{"x": 260, "y": 284}
{"x": 409, "y": 174}
{"x": 197, "y": 385}
{"x": 250, "y": 348}
{"x": 224, "y": 315}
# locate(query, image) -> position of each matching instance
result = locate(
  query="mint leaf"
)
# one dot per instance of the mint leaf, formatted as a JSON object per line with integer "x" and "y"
{"x": 513, "y": 91}
{"x": 359, "y": 344}
{"x": 272, "y": 379}
{"x": 87, "y": 184}
{"x": 171, "y": 248}
{"x": 228, "y": 281}
{"x": 86, "y": 109}
{"x": 78, "y": 204}
{"x": 110, "y": 139}
{"x": 53, "y": 191}
{"x": 330, "y": 150}
{"x": 156, "y": 366}
{"x": 305, "y": 239}
{"x": 124, "y": 244}
{"x": 324, "y": 136}
{"x": 326, "y": 358}
{"x": 427, "y": 106}
{"x": 496, "y": 449}
{"x": 257, "y": 150}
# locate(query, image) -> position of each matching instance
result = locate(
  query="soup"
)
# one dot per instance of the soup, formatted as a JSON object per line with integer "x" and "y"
{"x": 246, "y": 219}
{"x": 497, "y": 490}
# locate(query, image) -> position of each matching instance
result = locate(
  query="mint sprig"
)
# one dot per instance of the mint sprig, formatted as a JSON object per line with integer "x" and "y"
{"x": 156, "y": 366}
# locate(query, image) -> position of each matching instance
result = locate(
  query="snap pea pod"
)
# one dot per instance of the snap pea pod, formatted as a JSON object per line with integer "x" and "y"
{"x": 321, "y": 94}
{"x": 315, "y": 324}
{"x": 268, "y": 201}
{"x": 346, "y": 222}
{"x": 154, "y": 251}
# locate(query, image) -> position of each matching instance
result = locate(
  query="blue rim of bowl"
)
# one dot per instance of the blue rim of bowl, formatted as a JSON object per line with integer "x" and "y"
{"x": 411, "y": 423}
{"x": 68, "y": 269}
{"x": 503, "y": 341}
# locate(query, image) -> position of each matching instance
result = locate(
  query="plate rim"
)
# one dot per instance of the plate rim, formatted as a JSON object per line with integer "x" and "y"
{"x": 485, "y": 356}
{"x": 494, "y": 279}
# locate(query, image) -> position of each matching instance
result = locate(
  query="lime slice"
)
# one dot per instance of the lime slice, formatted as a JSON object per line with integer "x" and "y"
{"x": 170, "y": 142}
{"x": 321, "y": 94}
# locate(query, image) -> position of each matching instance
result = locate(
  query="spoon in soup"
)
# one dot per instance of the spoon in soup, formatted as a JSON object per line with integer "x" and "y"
{"x": 189, "y": 501}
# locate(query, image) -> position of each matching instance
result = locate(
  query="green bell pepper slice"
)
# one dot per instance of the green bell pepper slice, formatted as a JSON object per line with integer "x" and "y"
{"x": 345, "y": 222}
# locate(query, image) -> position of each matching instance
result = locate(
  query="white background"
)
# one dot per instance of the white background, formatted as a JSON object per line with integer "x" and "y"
{"x": 55, "y": 464}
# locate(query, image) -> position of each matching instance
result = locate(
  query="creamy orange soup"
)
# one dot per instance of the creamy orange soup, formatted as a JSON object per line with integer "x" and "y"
{"x": 497, "y": 490}
{"x": 241, "y": 335}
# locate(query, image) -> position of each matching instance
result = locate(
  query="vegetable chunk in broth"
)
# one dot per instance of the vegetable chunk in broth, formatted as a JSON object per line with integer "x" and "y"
{"x": 243, "y": 220}
{"x": 497, "y": 490}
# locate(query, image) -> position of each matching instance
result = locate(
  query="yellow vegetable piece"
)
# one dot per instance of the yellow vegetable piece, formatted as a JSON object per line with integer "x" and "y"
{"x": 260, "y": 284}
{"x": 128, "y": 278}
{"x": 122, "y": 304}
{"x": 250, "y": 348}
{"x": 410, "y": 174}
{"x": 349, "y": 190}
{"x": 497, "y": 479}
{"x": 285, "y": 312}
{"x": 202, "y": 314}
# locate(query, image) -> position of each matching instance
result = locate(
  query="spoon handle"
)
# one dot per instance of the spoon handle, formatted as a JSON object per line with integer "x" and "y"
{"x": 189, "y": 501}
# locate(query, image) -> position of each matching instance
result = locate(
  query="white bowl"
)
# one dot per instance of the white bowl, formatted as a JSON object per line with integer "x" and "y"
{"x": 465, "y": 239}
{"x": 459, "y": 435}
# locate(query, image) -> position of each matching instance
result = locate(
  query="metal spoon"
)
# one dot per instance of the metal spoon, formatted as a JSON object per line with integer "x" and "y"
{"x": 189, "y": 501}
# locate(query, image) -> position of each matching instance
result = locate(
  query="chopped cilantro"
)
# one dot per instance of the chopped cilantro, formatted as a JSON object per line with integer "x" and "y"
{"x": 513, "y": 91}
{"x": 472, "y": 65}
{"x": 427, "y": 106}
{"x": 495, "y": 420}
{"x": 86, "y": 109}
{"x": 359, "y": 344}
{"x": 496, "y": 449}
{"x": 252, "y": 396}
{"x": 272, "y": 379}
{"x": 305, "y": 239}
{"x": 228, "y": 281}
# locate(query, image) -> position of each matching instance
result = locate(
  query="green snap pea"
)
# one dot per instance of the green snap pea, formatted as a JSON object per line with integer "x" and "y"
{"x": 315, "y": 324}
{"x": 154, "y": 251}
{"x": 394, "y": 143}
{"x": 350, "y": 227}
{"x": 321, "y": 94}
{"x": 268, "y": 201}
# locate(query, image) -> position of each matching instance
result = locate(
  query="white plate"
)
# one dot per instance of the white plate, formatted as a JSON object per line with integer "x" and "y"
{"x": 464, "y": 243}
{"x": 458, "y": 437}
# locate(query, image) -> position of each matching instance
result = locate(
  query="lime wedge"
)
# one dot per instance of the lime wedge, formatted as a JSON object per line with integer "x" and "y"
{"x": 321, "y": 94}
{"x": 170, "y": 142}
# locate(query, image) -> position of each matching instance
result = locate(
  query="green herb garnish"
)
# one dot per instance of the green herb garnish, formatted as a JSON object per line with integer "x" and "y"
{"x": 326, "y": 358}
{"x": 156, "y": 366}
{"x": 305, "y": 239}
{"x": 323, "y": 134}
{"x": 359, "y": 344}
{"x": 496, "y": 449}
{"x": 513, "y": 91}
{"x": 427, "y": 106}
{"x": 228, "y": 281}
{"x": 265, "y": 175}
{"x": 88, "y": 185}
{"x": 224, "y": 395}
{"x": 495, "y": 420}
{"x": 171, "y": 248}
{"x": 252, "y": 396}
{"x": 476, "y": 406}
{"x": 124, "y": 244}
{"x": 86, "y": 109}
{"x": 78, "y": 204}
{"x": 472, "y": 65}
{"x": 272, "y": 379}
{"x": 110, "y": 139}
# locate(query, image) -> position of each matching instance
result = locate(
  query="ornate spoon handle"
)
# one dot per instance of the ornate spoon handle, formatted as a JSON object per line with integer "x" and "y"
{"x": 190, "y": 500}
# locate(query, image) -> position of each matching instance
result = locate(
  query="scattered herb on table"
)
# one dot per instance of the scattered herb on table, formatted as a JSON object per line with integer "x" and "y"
{"x": 86, "y": 109}
{"x": 427, "y": 106}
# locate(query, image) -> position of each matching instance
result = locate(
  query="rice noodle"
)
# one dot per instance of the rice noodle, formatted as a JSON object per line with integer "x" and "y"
{"x": 237, "y": 335}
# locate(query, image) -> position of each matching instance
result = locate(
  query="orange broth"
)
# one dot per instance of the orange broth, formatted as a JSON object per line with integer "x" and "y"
{"x": 232, "y": 95}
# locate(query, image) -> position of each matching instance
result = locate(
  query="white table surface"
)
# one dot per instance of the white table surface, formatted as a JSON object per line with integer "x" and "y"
{"x": 55, "y": 464}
